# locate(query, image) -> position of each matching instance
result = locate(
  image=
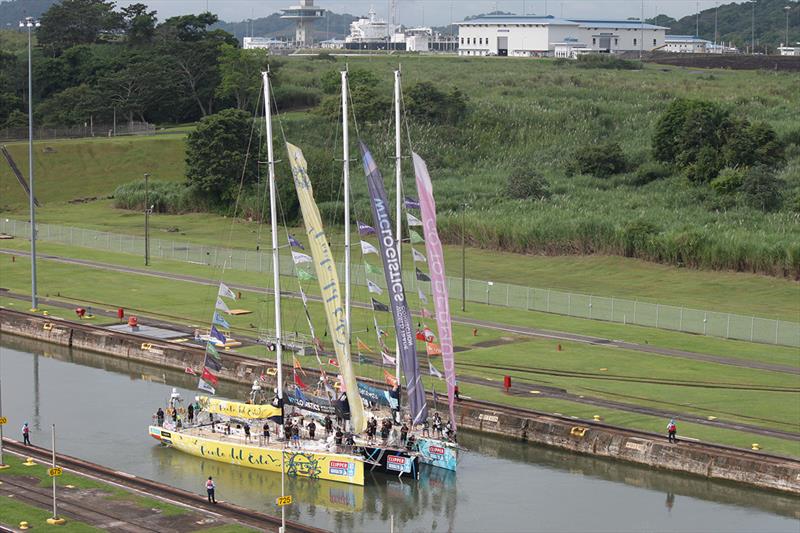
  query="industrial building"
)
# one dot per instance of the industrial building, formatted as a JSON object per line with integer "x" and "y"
{"x": 524, "y": 36}
{"x": 686, "y": 44}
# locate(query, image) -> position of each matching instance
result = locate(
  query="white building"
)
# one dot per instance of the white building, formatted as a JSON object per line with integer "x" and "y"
{"x": 789, "y": 50}
{"x": 418, "y": 39}
{"x": 512, "y": 35}
{"x": 686, "y": 44}
{"x": 250, "y": 43}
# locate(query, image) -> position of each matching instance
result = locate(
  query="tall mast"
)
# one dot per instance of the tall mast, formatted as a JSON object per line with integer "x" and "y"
{"x": 398, "y": 194}
{"x": 274, "y": 222}
{"x": 346, "y": 173}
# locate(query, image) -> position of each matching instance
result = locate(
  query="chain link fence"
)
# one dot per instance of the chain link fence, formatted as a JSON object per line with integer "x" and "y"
{"x": 73, "y": 132}
{"x": 611, "y": 309}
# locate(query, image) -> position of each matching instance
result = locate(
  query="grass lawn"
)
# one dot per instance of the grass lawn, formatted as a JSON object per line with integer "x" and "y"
{"x": 632, "y": 279}
{"x": 192, "y": 304}
{"x": 293, "y": 319}
{"x": 13, "y": 512}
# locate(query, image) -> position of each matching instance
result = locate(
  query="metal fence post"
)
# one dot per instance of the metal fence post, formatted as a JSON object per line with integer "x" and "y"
{"x": 528, "y": 300}
{"x": 507, "y": 290}
{"x": 634, "y": 311}
{"x": 680, "y": 321}
{"x": 752, "y": 327}
{"x": 777, "y": 324}
{"x": 705, "y": 322}
{"x": 728, "y": 327}
{"x": 612, "y": 309}
{"x": 658, "y": 309}
{"x": 590, "y": 306}
{"x": 548, "y": 300}
{"x": 569, "y": 304}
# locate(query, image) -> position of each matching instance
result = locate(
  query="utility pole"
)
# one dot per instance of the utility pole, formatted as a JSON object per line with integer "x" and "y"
{"x": 463, "y": 258}
{"x": 787, "y": 9}
{"x": 146, "y": 219}
{"x": 31, "y": 23}
{"x": 716, "y": 30}
{"x": 697, "y": 21}
{"x": 641, "y": 36}
{"x": 753, "y": 30}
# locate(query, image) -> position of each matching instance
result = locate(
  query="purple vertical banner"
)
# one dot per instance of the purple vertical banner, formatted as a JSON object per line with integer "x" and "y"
{"x": 433, "y": 245}
{"x": 404, "y": 327}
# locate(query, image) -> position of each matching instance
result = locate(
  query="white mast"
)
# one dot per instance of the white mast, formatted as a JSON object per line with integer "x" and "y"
{"x": 274, "y": 222}
{"x": 398, "y": 193}
{"x": 346, "y": 172}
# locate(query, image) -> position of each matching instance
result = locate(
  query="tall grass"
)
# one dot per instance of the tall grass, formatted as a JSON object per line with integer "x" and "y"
{"x": 163, "y": 196}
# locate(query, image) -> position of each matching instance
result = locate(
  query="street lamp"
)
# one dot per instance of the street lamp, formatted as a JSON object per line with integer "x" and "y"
{"x": 787, "y": 9}
{"x": 463, "y": 258}
{"x": 30, "y": 23}
{"x": 753, "y": 30}
{"x": 146, "y": 220}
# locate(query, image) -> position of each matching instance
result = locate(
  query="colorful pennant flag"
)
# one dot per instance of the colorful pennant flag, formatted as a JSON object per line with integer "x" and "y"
{"x": 297, "y": 366}
{"x": 374, "y": 287}
{"x": 433, "y": 371}
{"x": 212, "y": 350}
{"x": 217, "y": 335}
{"x": 411, "y": 203}
{"x": 367, "y": 248}
{"x": 433, "y": 348}
{"x": 378, "y": 306}
{"x": 418, "y": 256}
{"x": 213, "y": 364}
{"x": 363, "y": 346}
{"x": 364, "y": 229}
{"x": 295, "y": 243}
{"x": 298, "y": 381}
{"x": 420, "y": 336}
{"x": 209, "y": 377}
{"x": 416, "y": 238}
{"x": 304, "y": 275}
{"x": 299, "y": 258}
{"x": 202, "y": 385}
{"x": 372, "y": 269}
{"x": 189, "y": 370}
{"x": 333, "y": 362}
{"x": 412, "y": 220}
{"x": 221, "y": 305}
{"x": 429, "y": 336}
{"x": 422, "y": 276}
{"x": 225, "y": 291}
{"x": 389, "y": 378}
{"x": 422, "y": 297}
{"x": 388, "y": 359}
{"x": 303, "y": 297}
{"x": 220, "y": 320}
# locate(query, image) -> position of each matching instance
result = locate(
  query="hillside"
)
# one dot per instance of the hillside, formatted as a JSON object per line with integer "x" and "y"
{"x": 12, "y": 11}
{"x": 333, "y": 26}
{"x": 734, "y": 24}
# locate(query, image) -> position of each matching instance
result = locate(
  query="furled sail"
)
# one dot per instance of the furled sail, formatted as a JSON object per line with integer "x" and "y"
{"x": 328, "y": 278}
{"x": 394, "y": 283}
{"x": 433, "y": 245}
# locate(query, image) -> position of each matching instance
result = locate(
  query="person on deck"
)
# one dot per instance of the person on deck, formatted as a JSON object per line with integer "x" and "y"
{"x": 437, "y": 425}
{"x": 247, "y": 432}
{"x": 160, "y": 417}
{"x": 296, "y": 435}
{"x": 337, "y": 438}
{"x": 672, "y": 430}
{"x": 410, "y": 443}
{"x": 312, "y": 429}
{"x": 403, "y": 433}
{"x": 426, "y": 431}
{"x": 210, "y": 489}
{"x": 190, "y": 413}
{"x": 265, "y": 433}
{"x": 328, "y": 425}
{"x": 26, "y": 434}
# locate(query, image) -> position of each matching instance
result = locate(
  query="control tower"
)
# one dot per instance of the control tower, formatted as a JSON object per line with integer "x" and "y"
{"x": 304, "y": 15}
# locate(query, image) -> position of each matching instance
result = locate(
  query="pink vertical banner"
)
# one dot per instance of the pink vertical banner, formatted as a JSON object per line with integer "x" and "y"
{"x": 438, "y": 282}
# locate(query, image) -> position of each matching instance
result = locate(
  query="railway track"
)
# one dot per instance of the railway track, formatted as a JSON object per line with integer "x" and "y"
{"x": 151, "y": 488}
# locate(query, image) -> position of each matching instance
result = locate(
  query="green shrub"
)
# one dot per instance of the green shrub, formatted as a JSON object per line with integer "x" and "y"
{"x": 791, "y": 137}
{"x": 606, "y": 61}
{"x": 752, "y": 144}
{"x": 762, "y": 189}
{"x": 427, "y": 102}
{"x": 293, "y": 97}
{"x": 649, "y": 172}
{"x": 600, "y": 160}
{"x": 527, "y": 184}
{"x": 729, "y": 180}
{"x": 164, "y": 197}
{"x": 636, "y": 236}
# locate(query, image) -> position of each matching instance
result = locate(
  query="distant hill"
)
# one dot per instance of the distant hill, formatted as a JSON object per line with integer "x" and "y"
{"x": 734, "y": 23}
{"x": 333, "y": 26}
{"x": 12, "y": 11}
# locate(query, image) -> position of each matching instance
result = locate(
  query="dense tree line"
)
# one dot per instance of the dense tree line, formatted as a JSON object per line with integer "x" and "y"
{"x": 92, "y": 61}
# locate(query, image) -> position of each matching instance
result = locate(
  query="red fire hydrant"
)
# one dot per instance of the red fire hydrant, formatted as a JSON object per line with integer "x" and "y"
{"x": 133, "y": 322}
{"x": 120, "y": 313}
{"x": 80, "y": 311}
{"x": 507, "y": 383}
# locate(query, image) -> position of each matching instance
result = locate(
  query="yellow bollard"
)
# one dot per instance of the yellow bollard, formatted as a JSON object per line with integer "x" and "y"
{"x": 56, "y": 521}
{"x": 756, "y": 446}
{"x": 597, "y": 418}
{"x": 23, "y": 525}
{"x": 29, "y": 462}
{"x": 46, "y": 313}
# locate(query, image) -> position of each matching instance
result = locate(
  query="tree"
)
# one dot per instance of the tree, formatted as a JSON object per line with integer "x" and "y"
{"x": 428, "y": 103}
{"x": 526, "y": 184}
{"x": 600, "y": 160}
{"x": 762, "y": 189}
{"x": 74, "y": 22}
{"x": 241, "y": 74}
{"x": 752, "y": 144}
{"x": 140, "y": 24}
{"x": 72, "y": 106}
{"x": 216, "y": 155}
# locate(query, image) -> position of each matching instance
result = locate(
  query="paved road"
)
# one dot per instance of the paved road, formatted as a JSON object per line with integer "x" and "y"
{"x": 517, "y": 330}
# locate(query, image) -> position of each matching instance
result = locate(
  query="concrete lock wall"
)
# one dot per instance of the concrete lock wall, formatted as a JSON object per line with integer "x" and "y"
{"x": 590, "y": 438}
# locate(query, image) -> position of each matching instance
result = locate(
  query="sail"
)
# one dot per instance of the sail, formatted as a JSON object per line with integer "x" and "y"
{"x": 239, "y": 410}
{"x": 328, "y": 283}
{"x": 437, "y": 274}
{"x": 394, "y": 283}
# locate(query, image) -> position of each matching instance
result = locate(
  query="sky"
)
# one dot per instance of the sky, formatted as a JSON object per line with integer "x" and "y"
{"x": 437, "y": 12}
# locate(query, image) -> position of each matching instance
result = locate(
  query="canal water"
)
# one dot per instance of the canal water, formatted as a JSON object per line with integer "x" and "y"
{"x": 102, "y": 406}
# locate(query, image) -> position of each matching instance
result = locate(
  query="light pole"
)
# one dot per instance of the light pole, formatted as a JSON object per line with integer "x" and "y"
{"x": 31, "y": 23}
{"x": 787, "y": 9}
{"x": 463, "y": 258}
{"x": 146, "y": 219}
{"x": 753, "y": 30}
